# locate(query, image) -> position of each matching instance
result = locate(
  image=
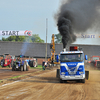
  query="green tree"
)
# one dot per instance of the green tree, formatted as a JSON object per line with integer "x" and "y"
{"x": 14, "y": 38}
{"x": 36, "y": 38}
{"x": 58, "y": 38}
{"x": 33, "y": 38}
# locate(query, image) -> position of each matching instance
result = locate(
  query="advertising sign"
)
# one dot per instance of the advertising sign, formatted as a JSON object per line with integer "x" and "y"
{"x": 16, "y": 33}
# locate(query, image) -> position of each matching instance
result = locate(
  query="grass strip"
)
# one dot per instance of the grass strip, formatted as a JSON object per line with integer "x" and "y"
{"x": 38, "y": 67}
{"x": 15, "y": 77}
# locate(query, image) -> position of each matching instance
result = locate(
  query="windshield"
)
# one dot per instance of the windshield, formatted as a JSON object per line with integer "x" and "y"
{"x": 71, "y": 57}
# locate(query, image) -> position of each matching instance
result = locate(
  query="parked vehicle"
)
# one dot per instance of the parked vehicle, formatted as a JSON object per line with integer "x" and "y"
{"x": 7, "y": 60}
{"x": 20, "y": 64}
{"x": 95, "y": 61}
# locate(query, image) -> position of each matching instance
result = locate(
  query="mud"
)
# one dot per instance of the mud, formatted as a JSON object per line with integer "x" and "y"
{"x": 7, "y": 72}
{"x": 45, "y": 86}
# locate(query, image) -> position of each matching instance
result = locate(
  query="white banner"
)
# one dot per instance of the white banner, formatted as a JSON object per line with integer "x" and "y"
{"x": 16, "y": 33}
{"x": 88, "y": 36}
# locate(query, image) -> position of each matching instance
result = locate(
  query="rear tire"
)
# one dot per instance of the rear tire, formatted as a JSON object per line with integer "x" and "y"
{"x": 64, "y": 81}
{"x": 21, "y": 68}
{"x": 31, "y": 63}
{"x": 25, "y": 66}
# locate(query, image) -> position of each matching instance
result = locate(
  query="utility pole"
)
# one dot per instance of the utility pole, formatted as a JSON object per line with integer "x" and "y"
{"x": 46, "y": 38}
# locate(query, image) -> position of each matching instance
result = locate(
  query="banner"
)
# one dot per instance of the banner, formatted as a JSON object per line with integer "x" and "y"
{"x": 88, "y": 36}
{"x": 16, "y": 33}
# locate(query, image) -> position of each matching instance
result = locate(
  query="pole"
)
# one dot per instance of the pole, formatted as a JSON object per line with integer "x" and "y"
{"x": 46, "y": 38}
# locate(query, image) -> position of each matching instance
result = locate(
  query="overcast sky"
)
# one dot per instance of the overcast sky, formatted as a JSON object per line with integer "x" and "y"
{"x": 31, "y": 15}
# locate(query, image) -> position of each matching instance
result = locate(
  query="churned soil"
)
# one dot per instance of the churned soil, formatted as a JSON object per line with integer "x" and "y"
{"x": 45, "y": 86}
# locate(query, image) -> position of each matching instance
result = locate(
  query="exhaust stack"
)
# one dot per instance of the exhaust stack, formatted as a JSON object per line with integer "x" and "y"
{"x": 64, "y": 49}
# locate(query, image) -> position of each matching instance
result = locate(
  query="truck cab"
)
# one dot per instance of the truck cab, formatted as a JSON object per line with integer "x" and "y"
{"x": 72, "y": 65}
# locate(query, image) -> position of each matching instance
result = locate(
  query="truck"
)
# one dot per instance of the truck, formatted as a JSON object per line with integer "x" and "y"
{"x": 72, "y": 65}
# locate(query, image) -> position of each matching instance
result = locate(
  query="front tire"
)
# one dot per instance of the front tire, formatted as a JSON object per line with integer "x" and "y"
{"x": 61, "y": 81}
{"x": 83, "y": 80}
{"x": 13, "y": 68}
{"x": 58, "y": 73}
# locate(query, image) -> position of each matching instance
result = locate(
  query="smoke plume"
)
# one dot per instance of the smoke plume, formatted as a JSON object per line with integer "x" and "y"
{"x": 25, "y": 46}
{"x": 77, "y": 16}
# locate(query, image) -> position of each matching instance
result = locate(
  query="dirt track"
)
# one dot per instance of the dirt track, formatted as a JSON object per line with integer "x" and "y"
{"x": 7, "y": 72}
{"x": 45, "y": 86}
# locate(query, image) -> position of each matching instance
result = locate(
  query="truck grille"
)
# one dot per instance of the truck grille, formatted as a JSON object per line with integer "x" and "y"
{"x": 72, "y": 68}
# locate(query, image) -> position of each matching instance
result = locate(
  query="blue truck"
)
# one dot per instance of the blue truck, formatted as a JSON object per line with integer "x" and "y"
{"x": 72, "y": 65}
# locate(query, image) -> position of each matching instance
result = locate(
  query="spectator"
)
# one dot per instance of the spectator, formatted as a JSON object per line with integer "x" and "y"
{"x": 43, "y": 65}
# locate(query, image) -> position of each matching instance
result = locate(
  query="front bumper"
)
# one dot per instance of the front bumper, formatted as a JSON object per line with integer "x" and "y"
{"x": 75, "y": 77}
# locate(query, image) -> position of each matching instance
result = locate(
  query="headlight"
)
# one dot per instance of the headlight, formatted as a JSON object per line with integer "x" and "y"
{"x": 63, "y": 73}
{"x": 81, "y": 72}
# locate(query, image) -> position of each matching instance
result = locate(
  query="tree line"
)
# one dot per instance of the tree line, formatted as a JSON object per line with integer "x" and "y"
{"x": 33, "y": 38}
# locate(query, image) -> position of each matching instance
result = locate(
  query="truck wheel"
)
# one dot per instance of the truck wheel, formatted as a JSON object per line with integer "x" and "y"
{"x": 21, "y": 68}
{"x": 61, "y": 81}
{"x": 64, "y": 81}
{"x": 58, "y": 73}
{"x": 87, "y": 75}
{"x": 83, "y": 80}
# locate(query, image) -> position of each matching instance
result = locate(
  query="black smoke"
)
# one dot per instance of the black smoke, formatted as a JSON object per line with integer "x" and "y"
{"x": 77, "y": 16}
